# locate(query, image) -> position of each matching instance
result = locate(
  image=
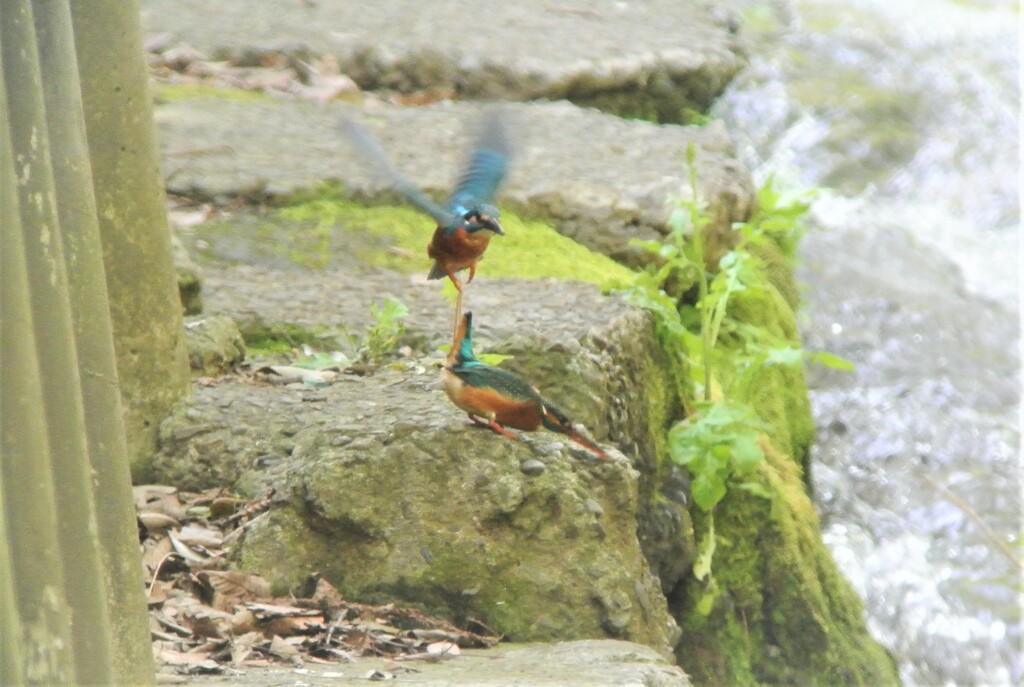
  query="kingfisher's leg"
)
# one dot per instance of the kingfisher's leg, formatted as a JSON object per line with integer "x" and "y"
{"x": 455, "y": 280}
{"x": 501, "y": 430}
{"x": 472, "y": 272}
{"x": 491, "y": 424}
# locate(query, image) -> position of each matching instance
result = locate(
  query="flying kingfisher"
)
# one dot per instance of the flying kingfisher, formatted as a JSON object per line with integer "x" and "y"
{"x": 468, "y": 219}
{"x": 500, "y": 397}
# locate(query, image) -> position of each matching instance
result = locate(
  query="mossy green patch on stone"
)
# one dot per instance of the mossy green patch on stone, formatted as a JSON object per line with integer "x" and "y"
{"x": 396, "y": 238}
{"x": 281, "y": 338}
{"x": 782, "y": 613}
{"x": 321, "y": 229}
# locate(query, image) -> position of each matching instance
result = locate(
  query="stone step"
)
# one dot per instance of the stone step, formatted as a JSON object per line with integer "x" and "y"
{"x": 598, "y": 179}
{"x": 584, "y": 663}
{"x": 653, "y": 58}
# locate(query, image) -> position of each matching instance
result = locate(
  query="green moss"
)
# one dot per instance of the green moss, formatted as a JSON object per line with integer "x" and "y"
{"x": 783, "y": 613}
{"x": 320, "y": 228}
{"x": 174, "y": 92}
{"x": 396, "y": 238}
{"x": 281, "y": 337}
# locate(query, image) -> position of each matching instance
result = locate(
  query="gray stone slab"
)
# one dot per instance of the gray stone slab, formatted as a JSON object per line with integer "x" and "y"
{"x": 662, "y": 54}
{"x": 599, "y": 179}
{"x": 586, "y": 663}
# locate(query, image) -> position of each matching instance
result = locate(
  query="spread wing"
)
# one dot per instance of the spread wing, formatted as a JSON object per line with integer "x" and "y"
{"x": 375, "y": 158}
{"x": 485, "y": 168}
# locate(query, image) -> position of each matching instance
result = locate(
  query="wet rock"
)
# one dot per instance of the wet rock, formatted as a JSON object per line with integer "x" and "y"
{"x": 215, "y": 345}
{"x": 652, "y": 59}
{"x": 568, "y": 166}
{"x": 521, "y": 554}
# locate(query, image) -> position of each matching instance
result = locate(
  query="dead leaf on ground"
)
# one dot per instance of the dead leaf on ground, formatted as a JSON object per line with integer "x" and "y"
{"x": 203, "y": 618}
{"x": 233, "y": 588}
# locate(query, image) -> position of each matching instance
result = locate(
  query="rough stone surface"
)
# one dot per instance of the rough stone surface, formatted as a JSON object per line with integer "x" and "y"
{"x": 382, "y": 486}
{"x": 592, "y": 354}
{"x": 190, "y": 278}
{"x": 582, "y": 663}
{"x": 651, "y": 58}
{"x": 595, "y": 356}
{"x": 568, "y": 167}
{"x": 215, "y": 345}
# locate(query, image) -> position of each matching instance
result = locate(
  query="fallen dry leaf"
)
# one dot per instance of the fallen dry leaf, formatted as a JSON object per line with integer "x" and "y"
{"x": 233, "y": 587}
{"x": 202, "y": 619}
{"x": 155, "y": 522}
{"x": 282, "y": 648}
{"x": 193, "y": 535}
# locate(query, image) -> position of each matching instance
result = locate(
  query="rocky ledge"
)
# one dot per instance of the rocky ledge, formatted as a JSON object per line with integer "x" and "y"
{"x": 657, "y": 58}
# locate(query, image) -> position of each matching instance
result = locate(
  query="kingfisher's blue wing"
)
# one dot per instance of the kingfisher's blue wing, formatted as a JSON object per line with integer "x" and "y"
{"x": 480, "y": 376}
{"x": 485, "y": 169}
{"x": 375, "y": 157}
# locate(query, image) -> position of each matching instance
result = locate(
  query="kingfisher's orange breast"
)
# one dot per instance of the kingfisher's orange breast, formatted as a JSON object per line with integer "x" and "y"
{"x": 459, "y": 249}
{"x": 490, "y": 404}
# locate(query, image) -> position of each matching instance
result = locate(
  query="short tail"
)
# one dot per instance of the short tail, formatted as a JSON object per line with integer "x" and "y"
{"x": 437, "y": 272}
{"x": 557, "y": 421}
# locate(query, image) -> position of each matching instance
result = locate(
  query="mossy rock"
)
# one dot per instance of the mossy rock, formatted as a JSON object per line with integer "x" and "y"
{"x": 781, "y": 611}
{"x": 215, "y": 345}
{"x": 784, "y": 614}
{"x": 535, "y": 557}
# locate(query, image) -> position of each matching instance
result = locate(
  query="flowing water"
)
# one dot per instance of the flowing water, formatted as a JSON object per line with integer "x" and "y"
{"x": 908, "y": 111}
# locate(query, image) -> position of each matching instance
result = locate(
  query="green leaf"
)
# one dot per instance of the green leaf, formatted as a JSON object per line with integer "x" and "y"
{"x": 707, "y": 490}
{"x": 649, "y": 246}
{"x": 747, "y": 454}
{"x": 755, "y": 488}
{"x": 449, "y": 291}
{"x": 493, "y": 359}
{"x": 832, "y": 361}
{"x": 786, "y": 355}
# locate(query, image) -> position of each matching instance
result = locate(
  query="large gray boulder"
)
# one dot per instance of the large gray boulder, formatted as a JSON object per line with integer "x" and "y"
{"x": 535, "y": 538}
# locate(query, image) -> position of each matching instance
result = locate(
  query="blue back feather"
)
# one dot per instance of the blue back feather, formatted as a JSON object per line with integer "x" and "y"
{"x": 485, "y": 169}
{"x": 465, "y": 355}
{"x": 477, "y": 185}
{"x": 373, "y": 155}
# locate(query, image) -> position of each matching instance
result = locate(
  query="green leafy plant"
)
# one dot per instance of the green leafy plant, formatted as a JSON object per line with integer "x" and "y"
{"x": 387, "y": 329}
{"x": 719, "y": 442}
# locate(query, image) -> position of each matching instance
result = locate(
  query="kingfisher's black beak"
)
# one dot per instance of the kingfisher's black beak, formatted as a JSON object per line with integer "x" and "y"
{"x": 492, "y": 224}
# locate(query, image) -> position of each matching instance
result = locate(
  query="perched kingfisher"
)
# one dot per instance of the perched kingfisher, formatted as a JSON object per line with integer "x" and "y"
{"x": 468, "y": 220}
{"x": 500, "y": 397}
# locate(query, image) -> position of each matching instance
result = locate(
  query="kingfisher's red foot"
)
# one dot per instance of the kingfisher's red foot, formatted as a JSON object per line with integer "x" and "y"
{"x": 501, "y": 430}
{"x": 455, "y": 280}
